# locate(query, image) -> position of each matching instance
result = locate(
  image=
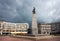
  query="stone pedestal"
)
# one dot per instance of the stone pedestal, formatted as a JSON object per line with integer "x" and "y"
{"x": 34, "y": 25}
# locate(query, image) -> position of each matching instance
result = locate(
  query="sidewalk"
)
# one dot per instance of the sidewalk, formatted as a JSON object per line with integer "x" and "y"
{"x": 38, "y": 37}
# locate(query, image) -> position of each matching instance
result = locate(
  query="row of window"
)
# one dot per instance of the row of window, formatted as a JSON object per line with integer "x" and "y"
{"x": 15, "y": 27}
{"x": 14, "y": 30}
{"x": 45, "y": 32}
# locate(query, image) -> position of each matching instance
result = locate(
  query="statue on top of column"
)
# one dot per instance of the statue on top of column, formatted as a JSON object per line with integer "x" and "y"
{"x": 33, "y": 10}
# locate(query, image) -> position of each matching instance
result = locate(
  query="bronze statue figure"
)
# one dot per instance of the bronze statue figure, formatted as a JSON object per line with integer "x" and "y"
{"x": 33, "y": 10}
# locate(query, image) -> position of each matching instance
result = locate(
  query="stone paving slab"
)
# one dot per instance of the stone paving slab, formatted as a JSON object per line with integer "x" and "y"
{"x": 38, "y": 37}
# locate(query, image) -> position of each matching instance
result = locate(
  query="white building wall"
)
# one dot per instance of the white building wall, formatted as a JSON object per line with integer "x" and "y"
{"x": 45, "y": 29}
{"x": 17, "y": 27}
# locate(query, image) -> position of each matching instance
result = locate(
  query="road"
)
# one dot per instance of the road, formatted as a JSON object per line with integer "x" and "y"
{"x": 7, "y": 38}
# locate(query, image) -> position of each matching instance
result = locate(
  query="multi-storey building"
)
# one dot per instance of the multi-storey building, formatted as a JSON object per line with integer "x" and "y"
{"x": 55, "y": 27}
{"x": 49, "y": 28}
{"x": 14, "y": 28}
{"x": 44, "y": 28}
{"x": 0, "y": 27}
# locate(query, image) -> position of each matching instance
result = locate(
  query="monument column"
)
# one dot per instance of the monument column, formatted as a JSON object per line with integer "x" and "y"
{"x": 34, "y": 23}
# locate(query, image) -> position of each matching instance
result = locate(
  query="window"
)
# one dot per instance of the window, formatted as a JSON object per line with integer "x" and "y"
{"x": 44, "y": 32}
{"x": 47, "y": 32}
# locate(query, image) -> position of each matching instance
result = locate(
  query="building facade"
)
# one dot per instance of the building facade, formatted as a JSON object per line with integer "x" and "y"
{"x": 55, "y": 27}
{"x": 14, "y": 28}
{"x": 1, "y": 27}
{"x": 49, "y": 28}
{"x": 44, "y": 29}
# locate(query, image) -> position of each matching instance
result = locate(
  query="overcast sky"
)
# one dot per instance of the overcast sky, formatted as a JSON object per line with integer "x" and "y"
{"x": 21, "y": 10}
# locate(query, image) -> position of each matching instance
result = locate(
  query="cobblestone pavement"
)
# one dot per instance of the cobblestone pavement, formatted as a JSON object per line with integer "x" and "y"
{"x": 51, "y": 39}
{"x": 7, "y": 38}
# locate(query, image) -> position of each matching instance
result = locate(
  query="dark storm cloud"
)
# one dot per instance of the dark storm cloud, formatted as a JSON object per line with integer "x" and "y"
{"x": 21, "y": 10}
{"x": 46, "y": 10}
{"x": 24, "y": 11}
{"x": 7, "y": 10}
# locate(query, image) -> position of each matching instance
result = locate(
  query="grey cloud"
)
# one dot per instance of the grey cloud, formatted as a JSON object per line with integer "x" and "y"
{"x": 21, "y": 10}
{"x": 7, "y": 9}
